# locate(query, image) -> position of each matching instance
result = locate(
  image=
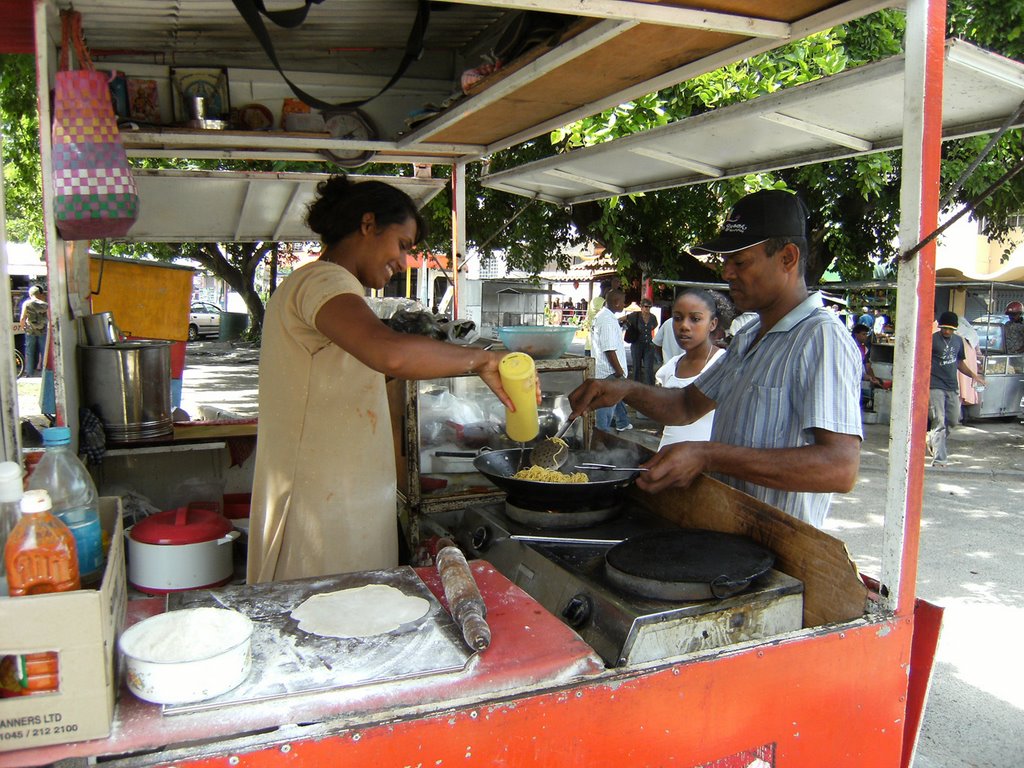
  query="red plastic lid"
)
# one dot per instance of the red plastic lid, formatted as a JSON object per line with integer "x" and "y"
{"x": 183, "y": 525}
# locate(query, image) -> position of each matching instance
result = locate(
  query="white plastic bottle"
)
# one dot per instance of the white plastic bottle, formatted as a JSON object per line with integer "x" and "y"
{"x": 10, "y": 500}
{"x": 75, "y": 501}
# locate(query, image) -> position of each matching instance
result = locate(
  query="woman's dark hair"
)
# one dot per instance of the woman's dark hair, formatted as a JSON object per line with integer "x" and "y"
{"x": 707, "y": 298}
{"x": 340, "y": 204}
{"x": 860, "y": 328}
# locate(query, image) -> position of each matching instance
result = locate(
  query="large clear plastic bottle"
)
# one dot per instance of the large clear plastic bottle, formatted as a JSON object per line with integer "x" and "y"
{"x": 10, "y": 499}
{"x": 75, "y": 501}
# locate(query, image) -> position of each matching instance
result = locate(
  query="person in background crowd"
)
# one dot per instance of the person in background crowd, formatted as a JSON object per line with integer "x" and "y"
{"x": 324, "y": 492}
{"x": 866, "y": 318}
{"x": 787, "y": 427}
{"x": 944, "y": 395}
{"x": 878, "y": 325}
{"x": 726, "y": 312}
{"x": 1014, "y": 329}
{"x": 869, "y": 381}
{"x": 665, "y": 340}
{"x": 643, "y": 350}
{"x": 595, "y": 306}
{"x": 610, "y": 359}
{"x": 33, "y": 321}
{"x": 694, "y": 321}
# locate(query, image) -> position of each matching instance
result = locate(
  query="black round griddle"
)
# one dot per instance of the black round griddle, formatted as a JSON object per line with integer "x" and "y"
{"x": 500, "y": 466}
{"x": 686, "y": 564}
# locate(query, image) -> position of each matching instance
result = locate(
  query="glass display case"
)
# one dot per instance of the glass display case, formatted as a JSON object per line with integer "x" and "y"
{"x": 441, "y": 425}
{"x": 1004, "y": 388}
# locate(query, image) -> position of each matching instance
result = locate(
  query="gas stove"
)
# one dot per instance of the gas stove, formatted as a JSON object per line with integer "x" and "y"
{"x": 563, "y": 570}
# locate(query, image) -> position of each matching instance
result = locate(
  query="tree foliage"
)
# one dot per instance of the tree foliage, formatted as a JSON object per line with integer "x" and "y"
{"x": 19, "y": 128}
{"x": 854, "y": 203}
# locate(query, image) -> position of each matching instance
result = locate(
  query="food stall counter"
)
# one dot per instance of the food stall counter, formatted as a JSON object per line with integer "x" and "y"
{"x": 530, "y": 651}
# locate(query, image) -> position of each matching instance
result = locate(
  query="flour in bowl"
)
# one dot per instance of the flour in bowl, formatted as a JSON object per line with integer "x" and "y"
{"x": 186, "y": 635}
{"x": 360, "y": 612}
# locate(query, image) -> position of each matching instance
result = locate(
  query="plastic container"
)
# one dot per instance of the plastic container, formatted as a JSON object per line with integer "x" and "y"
{"x": 73, "y": 495}
{"x": 541, "y": 342}
{"x": 10, "y": 511}
{"x": 519, "y": 378}
{"x": 40, "y": 555}
{"x": 180, "y": 549}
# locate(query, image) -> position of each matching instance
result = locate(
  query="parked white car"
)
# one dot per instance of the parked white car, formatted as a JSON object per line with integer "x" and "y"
{"x": 203, "y": 320}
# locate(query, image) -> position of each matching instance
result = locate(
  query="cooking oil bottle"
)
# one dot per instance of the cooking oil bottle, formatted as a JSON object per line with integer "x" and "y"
{"x": 519, "y": 378}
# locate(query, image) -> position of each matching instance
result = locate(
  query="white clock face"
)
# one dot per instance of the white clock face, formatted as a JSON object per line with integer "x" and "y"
{"x": 353, "y": 126}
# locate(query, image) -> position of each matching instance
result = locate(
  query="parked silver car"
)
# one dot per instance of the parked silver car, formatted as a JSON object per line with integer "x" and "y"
{"x": 203, "y": 320}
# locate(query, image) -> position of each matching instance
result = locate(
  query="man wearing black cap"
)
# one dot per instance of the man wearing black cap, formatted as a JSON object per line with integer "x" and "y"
{"x": 787, "y": 425}
{"x": 944, "y": 391}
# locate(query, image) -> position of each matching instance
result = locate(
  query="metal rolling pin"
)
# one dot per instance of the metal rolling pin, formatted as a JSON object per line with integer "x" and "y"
{"x": 463, "y": 595}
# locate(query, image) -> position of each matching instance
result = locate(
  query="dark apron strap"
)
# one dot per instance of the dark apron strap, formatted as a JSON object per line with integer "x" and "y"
{"x": 289, "y": 19}
{"x": 250, "y": 11}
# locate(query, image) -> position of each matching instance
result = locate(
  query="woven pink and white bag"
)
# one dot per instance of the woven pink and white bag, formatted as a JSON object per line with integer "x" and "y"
{"x": 94, "y": 192}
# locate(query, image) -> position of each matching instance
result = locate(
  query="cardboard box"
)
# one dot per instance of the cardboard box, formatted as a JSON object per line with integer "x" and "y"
{"x": 82, "y": 628}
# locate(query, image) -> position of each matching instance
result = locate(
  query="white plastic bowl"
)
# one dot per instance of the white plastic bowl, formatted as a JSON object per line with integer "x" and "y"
{"x": 180, "y": 657}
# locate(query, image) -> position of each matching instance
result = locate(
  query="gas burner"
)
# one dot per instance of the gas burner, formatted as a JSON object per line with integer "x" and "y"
{"x": 559, "y": 519}
{"x": 565, "y": 571}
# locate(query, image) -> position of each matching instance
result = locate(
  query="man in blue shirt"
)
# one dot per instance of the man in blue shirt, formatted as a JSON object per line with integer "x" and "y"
{"x": 944, "y": 389}
{"x": 787, "y": 423}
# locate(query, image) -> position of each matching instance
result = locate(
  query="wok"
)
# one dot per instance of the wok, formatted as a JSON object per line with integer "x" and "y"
{"x": 500, "y": 466}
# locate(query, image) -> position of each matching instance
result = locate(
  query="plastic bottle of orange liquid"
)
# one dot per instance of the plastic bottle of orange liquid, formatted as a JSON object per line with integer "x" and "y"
{"x": 40, "y": 554}
{"x": 519, "y": 378}
{"x": 39, "y": 558}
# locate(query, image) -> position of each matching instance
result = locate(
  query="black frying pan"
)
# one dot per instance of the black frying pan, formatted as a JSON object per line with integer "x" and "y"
{"x": 686, "y": 564}
{"x": 500, "y": 466}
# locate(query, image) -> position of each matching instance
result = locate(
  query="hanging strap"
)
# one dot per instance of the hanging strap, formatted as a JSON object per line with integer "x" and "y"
{"x": 289, "y": 19}
{"x": 413, "y": 48}
{"x": 71, "y": 36}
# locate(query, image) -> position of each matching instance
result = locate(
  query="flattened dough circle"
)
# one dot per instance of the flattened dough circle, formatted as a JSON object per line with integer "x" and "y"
{"x": 360, "y": 612}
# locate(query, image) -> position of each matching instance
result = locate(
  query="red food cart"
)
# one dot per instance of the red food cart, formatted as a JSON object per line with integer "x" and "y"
{"x": 832, "y": 670}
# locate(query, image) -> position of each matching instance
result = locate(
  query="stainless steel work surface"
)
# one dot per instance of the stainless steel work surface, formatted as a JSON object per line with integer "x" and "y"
{"x": 288, "y": 661}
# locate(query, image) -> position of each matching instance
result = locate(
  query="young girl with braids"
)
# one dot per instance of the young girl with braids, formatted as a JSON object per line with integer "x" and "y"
{"x": 695, "y": 318}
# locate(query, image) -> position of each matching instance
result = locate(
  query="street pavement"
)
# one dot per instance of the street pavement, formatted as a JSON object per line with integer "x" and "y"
{"x": 971, "y": 556}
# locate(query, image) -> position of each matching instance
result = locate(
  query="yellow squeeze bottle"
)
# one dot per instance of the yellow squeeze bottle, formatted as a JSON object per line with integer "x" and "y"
{"x": 519, "y": 378}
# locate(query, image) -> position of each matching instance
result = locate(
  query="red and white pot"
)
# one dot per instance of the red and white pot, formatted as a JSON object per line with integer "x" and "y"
{"x": 180, "y": 549}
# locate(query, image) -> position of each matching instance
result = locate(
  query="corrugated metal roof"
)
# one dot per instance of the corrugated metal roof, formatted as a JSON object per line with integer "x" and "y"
{"x": 855, "y": 112}
{"x": 17, "y": 32}
{"x": 229, "y": 206}
{"x": 349, "y": 48}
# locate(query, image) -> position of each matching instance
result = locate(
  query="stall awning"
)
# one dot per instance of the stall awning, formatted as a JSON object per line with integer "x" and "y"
{"x": 17, "y": 33}
{"x": 856, "y": 112}
{"x": 230, "y": 206}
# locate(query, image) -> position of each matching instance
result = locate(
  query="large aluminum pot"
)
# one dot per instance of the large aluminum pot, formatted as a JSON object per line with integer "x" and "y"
{"x": 100, "y": 329}
{"x": 128, "y": 386}
{"x": 189, "y": 655}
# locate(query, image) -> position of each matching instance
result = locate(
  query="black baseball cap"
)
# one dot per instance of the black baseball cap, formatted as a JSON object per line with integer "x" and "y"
{"x": 949, "y": 320}
{"x": 758, "y": 217}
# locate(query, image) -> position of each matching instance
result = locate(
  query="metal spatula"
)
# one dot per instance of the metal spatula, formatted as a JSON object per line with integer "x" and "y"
{"x": 553, "y": 452}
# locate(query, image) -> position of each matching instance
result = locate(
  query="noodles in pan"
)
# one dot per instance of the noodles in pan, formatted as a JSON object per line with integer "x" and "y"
{"x": 542, "y": 475}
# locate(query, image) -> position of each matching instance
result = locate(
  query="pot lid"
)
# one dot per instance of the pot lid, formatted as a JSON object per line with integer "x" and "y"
{"x": 184, "y": 525}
